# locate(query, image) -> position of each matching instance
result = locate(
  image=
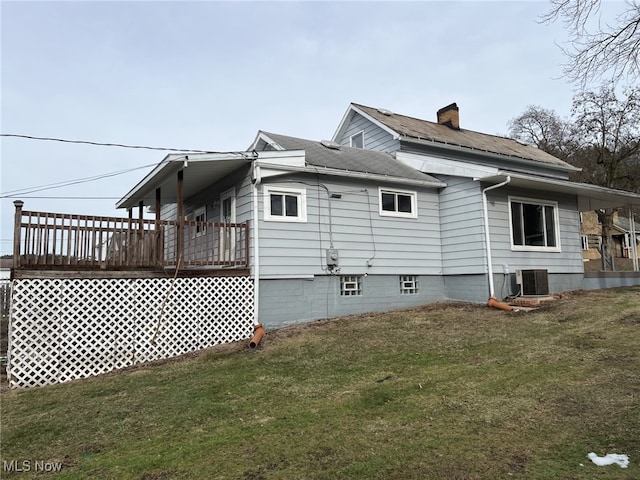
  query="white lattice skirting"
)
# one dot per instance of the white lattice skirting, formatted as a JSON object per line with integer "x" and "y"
{"x": 65, "y": 329}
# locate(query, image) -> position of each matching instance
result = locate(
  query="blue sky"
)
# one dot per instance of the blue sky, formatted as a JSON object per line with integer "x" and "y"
{"x": 208, "y": 75}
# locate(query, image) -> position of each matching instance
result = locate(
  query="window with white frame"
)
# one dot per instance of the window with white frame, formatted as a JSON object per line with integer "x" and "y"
{"x": 200, "y": 216}
{"x": 398, "y": 203}
{"x": 285, "y": 204}
{"x": 534, "y": 224}
{"x": 585, "y": 242}
{"x": 357, "y": 140}
{"x": 408, "y": 284}
{"x": 350, "y": 285}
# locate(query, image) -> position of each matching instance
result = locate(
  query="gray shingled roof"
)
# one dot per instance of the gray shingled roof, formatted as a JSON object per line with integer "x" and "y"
{"x": 424, "y": 130}
{"x": 350, "y": 159}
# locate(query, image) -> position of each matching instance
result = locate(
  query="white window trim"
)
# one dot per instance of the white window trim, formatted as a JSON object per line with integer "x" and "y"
{"x": 556, "y": 224}
{"x": 361, "y": 132}
{"x": 585, "y": 242}
{"x": 196, "y": 213}
{"x": 414, "y": 203}
{"x": 300, "y": 193}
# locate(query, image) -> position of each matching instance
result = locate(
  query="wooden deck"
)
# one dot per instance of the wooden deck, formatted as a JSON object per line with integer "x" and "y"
{"x": 56, "y": 241}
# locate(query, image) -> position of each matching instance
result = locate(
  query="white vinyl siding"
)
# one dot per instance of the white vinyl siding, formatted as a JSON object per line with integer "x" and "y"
{"x": 376, "y": 138}
{"x": 366, "y": 241}
{"x": 463, "y": 249}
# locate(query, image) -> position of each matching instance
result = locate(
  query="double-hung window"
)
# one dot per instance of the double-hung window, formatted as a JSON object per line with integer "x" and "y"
{"x": 285, "y": 204}
{"x": 534, "y": 224}
{"x": 398, "y": 203}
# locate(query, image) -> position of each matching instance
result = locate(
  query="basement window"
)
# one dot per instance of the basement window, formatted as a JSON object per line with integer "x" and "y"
{"x": 285, "y": 204}
{"x": 534, "y": 225}
{"x": 350, "y": 285}
{"x": 398, "y": 203}
{"x": 408, "y": 285}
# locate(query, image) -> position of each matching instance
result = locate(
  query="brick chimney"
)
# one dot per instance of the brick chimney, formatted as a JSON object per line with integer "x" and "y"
{"x": 449, "y": 116}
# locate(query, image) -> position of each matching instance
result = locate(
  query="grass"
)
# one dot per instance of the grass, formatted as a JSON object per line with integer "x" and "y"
{"x": 448, "y": 391}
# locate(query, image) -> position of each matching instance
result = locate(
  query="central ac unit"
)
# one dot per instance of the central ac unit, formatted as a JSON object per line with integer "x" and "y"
{"x": 533, "y": 282}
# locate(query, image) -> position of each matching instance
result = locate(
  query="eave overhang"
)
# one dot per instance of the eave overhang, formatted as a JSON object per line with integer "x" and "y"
{"x": 590, "y": 197}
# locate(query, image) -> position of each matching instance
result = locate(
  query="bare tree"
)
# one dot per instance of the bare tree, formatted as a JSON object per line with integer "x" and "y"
{"x": 542, "y": 128}
{"x": 602, "y": 137}
{"x": 596, "y": 49}
{"x": 607, "y": 132}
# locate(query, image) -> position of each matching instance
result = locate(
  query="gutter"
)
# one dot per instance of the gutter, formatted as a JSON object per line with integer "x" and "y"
{"x": 487, "y": 235}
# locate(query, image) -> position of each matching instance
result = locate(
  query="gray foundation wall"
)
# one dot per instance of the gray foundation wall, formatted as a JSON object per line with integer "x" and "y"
{"x": 288, "y": 301}
{"x": 598, "y": 280}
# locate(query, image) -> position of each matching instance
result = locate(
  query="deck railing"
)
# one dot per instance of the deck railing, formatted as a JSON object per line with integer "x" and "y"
{"x": 65, "y": 241}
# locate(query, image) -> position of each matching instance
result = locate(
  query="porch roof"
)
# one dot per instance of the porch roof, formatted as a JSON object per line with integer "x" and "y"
{"x": 199, "y": 170}
{"x": 590, "y": 197}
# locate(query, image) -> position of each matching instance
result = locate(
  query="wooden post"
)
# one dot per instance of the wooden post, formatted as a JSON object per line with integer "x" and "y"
{"x": 180, "y": 228}
{"x": 142, "y": 253}
{"x": 159, "y": 243}
{"x": 16, "y": 233}
{"x": 246, "y": 243}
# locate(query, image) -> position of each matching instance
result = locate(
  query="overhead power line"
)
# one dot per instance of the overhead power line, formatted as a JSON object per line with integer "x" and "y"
{"x": 26, "y": 191}
{"x": 101, "y": 144}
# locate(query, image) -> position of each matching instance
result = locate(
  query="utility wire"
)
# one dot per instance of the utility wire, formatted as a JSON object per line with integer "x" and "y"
{"x": 101, "y": 144}
{"x": 26, "y": 191}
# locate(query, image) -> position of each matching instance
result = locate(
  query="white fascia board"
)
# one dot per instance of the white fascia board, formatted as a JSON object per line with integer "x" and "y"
{"x": 443, "y": 166}
{"x": 287, "y": 158}
{"x": 347, "y": 118}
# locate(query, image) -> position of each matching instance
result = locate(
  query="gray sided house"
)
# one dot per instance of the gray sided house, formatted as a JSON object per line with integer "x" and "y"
{"x": 393, "y": 212}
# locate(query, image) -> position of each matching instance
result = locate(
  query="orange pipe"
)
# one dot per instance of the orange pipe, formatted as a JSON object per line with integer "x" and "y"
{"x": 493, "y": 302}
{"x": 258, "y": 333}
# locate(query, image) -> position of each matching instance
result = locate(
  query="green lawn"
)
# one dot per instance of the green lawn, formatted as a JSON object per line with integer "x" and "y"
{"x": 448, "y": 391}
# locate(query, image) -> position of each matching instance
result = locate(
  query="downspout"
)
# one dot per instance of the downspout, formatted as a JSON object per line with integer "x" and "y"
{"x": 492, "y": 294}
{"x": 258, "y": 330}
{"x": 634, "y": 245}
